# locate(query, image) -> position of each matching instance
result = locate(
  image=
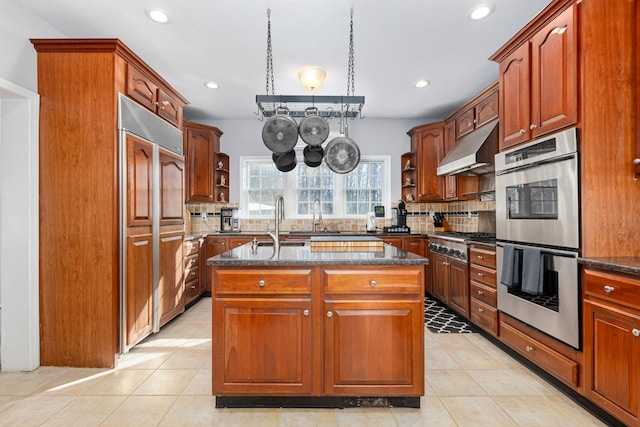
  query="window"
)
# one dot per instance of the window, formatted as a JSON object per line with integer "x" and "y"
{"x": 340, "y": 195}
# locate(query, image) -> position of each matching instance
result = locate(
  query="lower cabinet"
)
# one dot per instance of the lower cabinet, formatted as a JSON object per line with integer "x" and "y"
{"x": 212, "y": 246}
{"x": 171, "y": 283}
{"x": 451, "y": 283}
{"x": 139, "y": 307}
{"x": 612, "y": 343}
{"x": 192, "y": 270}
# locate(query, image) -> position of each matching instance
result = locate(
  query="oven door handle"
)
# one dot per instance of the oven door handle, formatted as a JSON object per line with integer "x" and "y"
{"x": 534, "y": 164}
{"x": 547, "y": 251}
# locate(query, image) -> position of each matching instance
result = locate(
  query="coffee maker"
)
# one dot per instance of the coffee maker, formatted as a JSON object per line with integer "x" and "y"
{"x": 398, "y": 219}
{"x": 402, "y": 214}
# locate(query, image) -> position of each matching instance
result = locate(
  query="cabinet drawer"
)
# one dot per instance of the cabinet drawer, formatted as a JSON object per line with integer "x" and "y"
{"x": 191, "y": 273}
{"x": 484, "y": 293}
{"x": 405, "y": 281}
{"x": 483, "y": 274}
{"x": 550, "y": 360}
{"x": 191, "y": 247}
{"x": 484, "y": 255}
{"x": 191, "y": 289}
{"x": 484, "y": 316}
{"x": 614, "y": 288}
{"x": 262, "y": 282}
{"x": 191, "y": 261}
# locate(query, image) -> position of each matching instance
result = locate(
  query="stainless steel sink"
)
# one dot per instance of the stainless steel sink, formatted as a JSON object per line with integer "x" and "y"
{"x": 282, "y": 243}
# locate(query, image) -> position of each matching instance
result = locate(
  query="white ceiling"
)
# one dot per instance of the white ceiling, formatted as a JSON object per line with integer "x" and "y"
{"x": 396, "y": 44}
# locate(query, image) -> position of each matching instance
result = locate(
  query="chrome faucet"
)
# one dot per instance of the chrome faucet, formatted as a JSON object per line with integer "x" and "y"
{"x": 316, "y": 223}
{"x": 279, "y": 214}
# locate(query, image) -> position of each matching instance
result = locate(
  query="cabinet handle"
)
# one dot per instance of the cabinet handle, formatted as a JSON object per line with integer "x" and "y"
{"x": 193, "y": 286}
{"x": 522, "y": 131}
{"x": 608, "y": 289}
{"x": 480, "y": 256}
{"x": 532, "y": 126}
{"x": 636, "y": 161}
{"x": 636, "y": 332}
{"x": 529, "y": 349}
{"x": 306, "y": 312}
{"x": 481, "y": 310}
{"x": 329, "y": 314}
{"x": 162, "y": 108}
{"x": 480, "y": 292}
{"x": 221, "y": 243}
{"x": 261, "y": 283}
{"x": 480, "y": 274}
{"x": 373, "y": 283}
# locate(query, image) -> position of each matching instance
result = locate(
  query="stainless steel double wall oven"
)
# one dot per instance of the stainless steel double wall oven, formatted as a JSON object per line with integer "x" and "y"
{"x": 538, "y": 235}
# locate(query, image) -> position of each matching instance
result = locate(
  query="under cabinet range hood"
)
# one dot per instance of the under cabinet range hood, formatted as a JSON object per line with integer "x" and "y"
{"x": 473, "y": 154}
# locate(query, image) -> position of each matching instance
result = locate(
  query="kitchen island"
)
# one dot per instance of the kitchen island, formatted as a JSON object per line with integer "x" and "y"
{"x": 317, "y": 326}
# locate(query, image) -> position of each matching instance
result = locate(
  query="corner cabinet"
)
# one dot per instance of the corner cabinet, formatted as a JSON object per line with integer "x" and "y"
{"x": 201, "y": 145}
{"x": 221, "y": 178}
{"x": 539, "y": 81}
{"x": 427, "y": 142}
{"x": 408, "y": 176}
{"x": 612, "y": 343}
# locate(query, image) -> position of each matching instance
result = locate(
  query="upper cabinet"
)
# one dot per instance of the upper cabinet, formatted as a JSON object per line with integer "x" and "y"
{"x": 427, "y": 142}
{"x": 482, "y": 110}
{"x": 539, "y": 81}
{"x": 201, "y": 145}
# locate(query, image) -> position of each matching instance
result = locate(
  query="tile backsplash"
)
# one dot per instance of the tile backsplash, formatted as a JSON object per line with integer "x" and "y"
{"x": 462, "y": 216}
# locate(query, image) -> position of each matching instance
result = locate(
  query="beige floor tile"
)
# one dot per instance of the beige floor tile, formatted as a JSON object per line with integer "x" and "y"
{"x": 477, "y": 412}
{"x": 503, "y": 382}
{"x": 474, "y": 358}
{"x": 453, "y": 383}
{"x": 33, "y": 410}
{"x": 25, "y": 383}
{"x": 439, "y": 359}
{"x": 447, "y": 341}
{"x": 73, "y": 381}
{"x": 8, "y": 401}
{"x": 187, "y": 359}
{"x": 308, "y": 417}
{"x": 200, "y": 384}
{"x": 434, "y": 411}
{"x": 166, "y": 382}
{"x": 249, "y": 417}
{"x": 370, "y": 417}
{"x": 193, "y": 411}
{"x": 573, "y": 411}
{"x": 118, "y": 383}
{"x": 140, "y": 411}
{"x": 144, "y": 358}
{"x": 85, "y": 411}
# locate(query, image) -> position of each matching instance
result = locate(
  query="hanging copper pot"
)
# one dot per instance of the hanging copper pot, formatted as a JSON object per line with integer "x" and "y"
{"x": 280, "y": 132}
{"x": 313, "y": 128}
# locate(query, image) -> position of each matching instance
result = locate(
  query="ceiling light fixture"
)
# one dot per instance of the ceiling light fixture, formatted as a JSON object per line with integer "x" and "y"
{"x": 158, "y": 15}
{"x": 423, "y": 83}
{"x": 481, "y": 11}
{"x": 312, "y": 77}
{"x": 211, "y": 85}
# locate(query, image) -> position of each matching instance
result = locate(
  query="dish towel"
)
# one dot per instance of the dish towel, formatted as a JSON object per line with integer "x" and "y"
{"x": 532, "y": 271}
{"x": 510, "y": 275}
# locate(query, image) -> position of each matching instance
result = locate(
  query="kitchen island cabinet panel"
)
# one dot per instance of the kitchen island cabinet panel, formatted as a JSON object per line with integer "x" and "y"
{"x": 373, "y": 282}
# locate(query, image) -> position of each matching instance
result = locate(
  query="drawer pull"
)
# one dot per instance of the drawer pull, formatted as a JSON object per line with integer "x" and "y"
{"x": 636, "y": 332}
{"x": 480, "y": 256}
{"x": 480, "y": 310}
{"x": 480, "y": 274}
{"x": 261, "y": 283}
{"x": 306, "y": 312}
{"x": 480, "y": 292}
{"x": 529, "y": 349}
{"x": 608, "y": 289}
{"x": 329, "y": 314}
{"x": 522, "y": 131}
{"x": 373, "y": 283}
{"x": 193, "y": 286}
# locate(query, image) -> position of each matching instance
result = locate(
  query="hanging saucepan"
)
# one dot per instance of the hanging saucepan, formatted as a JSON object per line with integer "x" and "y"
{"x": 285, "y": 162}
{"x": 280, "y": 132}
{"x": 313, "y": 128}
{"x": 342, "y": 153}
{"x": 313, "y": 155}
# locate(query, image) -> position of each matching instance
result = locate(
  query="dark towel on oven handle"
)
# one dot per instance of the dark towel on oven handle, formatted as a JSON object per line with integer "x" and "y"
{"x": 533, "y": 265}
{"x": 510, "y": 275}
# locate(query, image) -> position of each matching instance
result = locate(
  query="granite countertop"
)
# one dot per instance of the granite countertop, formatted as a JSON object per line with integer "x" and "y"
{"x": 191, "y": 236}
{"x": 302, "y": 254}
{"x": 630, "y": 265}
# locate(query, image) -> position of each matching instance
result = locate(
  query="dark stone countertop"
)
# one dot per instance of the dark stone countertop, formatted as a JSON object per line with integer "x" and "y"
{"x": 305, "y": 234}
{"x": 303, "y": 254}
{"x": 629, "y": 265}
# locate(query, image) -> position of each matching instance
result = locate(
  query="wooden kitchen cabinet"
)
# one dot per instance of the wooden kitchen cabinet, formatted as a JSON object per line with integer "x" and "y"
{"x": 172, "y": 176}
{"x": 539, "y": 80}
{"x": 440, "y": 282}
{"x": 139, "y": 179}
{"x": 611, "y": 318}
{"x": 139, "y": 290}
{"x": 479, "y": 111}
{"x": 415, "y": 244}
{"x": 213, "y": 245}
{"x": 483, "y": 288}
{"x": 201, "y": 143}
{"x": 427, "y": 141}
{"x": 171, "y": 283}
{"x": 408, "y": 176}
{"x": 451, "y": 283}
{"x": 450, "y": 182}
{"x": 192, "y": 270}
{"x": 221, "y": 178}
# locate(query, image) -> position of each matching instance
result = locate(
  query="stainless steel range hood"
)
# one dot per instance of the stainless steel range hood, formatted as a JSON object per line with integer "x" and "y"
{"x": 473, "y": 153}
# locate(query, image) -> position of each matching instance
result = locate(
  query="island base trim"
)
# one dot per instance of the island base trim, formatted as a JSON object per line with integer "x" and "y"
{"x": 340, "y": 402}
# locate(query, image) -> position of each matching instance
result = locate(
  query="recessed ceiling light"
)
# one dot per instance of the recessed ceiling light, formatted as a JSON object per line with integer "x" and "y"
{"x": 481, "y": 11}
{"x": 211, "y": 85}
{"x": 423, "y": 83}
{"x": 158, "y": 15}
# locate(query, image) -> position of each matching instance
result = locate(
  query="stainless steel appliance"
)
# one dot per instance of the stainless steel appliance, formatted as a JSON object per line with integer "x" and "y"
{"x": 537, "y": 228}
{"x": 454, "y": 245}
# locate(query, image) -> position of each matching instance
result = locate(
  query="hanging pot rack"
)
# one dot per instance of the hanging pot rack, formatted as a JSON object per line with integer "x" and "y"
{"x": 328, "y": 106}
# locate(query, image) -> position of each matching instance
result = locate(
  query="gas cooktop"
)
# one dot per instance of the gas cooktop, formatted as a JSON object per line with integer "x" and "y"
{"x": 461, "y": 236}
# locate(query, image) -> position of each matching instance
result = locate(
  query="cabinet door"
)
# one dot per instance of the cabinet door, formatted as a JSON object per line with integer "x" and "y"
{"x": 171, "y": 284}
{"x": 430, "y": 153}
{"x": 487, "y": 109}
{"x": 262, "y": 346}
{"x": 393, "y": 241}
{"x": 200, "y": 153}
{"x": 459, "y": 287}
{"x": 169, "y": 109}
{"x": 139, "y": 182}
{"x": 141, "y": 88}
{"x": 465, "y": 122}
{"x": 139, "y": 288}
{"x": 515, "y": 98}
{"x": 451, "y": 182}
{"x": 212, "y": 246}
{"x": 612, "y": 355}
{"x": 554, "y": 78}
{"x": 440, "y": 268}
{"x": 374, "y": 348}
{"x": 171, "y": 188}
{"x": 414, "y": 244}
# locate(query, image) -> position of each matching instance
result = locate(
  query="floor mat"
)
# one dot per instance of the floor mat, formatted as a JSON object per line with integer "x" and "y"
{"x": 440, "y": 320}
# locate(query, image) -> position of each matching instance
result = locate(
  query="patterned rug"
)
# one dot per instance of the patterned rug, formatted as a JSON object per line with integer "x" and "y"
{"x": 440, "y": 320}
